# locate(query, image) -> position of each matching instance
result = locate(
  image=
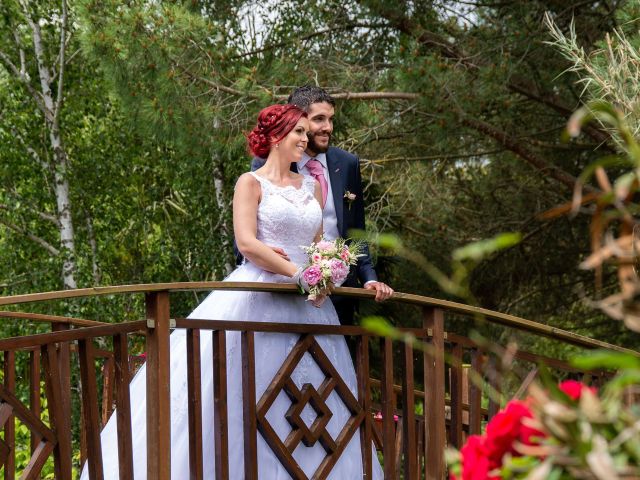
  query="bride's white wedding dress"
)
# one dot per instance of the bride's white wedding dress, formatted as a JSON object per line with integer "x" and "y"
{"x": 288, "y": 218}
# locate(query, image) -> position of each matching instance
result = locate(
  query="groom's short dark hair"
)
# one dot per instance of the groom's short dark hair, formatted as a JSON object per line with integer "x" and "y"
{"x": 306, "y": 95}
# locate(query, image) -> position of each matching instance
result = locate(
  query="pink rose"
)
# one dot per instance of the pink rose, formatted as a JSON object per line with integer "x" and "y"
{"x": 344, "y": 255}
{"x": 325, "y": 246}
{"x": 339, "y": 271}
{"x": 312, "y": 275}
{"x": 316, "y": 257}
{"x": 573, "y": 389}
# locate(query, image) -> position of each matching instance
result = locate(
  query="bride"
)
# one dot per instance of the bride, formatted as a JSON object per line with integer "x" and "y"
{"x": 275, "y": 213}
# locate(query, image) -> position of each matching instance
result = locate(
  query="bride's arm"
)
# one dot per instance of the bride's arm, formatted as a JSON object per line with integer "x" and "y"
{"x": 245, "y": 225}
{"x": 318, "y": 194}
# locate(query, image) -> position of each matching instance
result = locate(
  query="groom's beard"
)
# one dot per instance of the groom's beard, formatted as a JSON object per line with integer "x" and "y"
{"x": 313, "y": 145}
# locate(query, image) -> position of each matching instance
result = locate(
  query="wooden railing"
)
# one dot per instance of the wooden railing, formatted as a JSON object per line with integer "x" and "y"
{"x": 430, "y": 398}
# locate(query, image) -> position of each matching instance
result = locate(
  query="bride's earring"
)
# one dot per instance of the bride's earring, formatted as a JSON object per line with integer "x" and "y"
{"x": 277, "y": 145}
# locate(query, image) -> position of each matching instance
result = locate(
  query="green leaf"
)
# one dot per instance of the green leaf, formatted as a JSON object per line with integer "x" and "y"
{"x": 380, "y": 326}
{"x": 481, "y": 249}
{"x": 606, "y": 359}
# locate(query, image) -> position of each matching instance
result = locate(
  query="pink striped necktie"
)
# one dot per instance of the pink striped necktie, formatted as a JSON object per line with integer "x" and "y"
{"x": 317, "y": 171}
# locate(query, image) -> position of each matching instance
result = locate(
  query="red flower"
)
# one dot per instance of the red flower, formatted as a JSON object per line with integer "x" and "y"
{"x": 530, "y": 435}
{"x": 475, "y": 462}
{"x": 504, "y": 429}
{"x": 573, "y": 389}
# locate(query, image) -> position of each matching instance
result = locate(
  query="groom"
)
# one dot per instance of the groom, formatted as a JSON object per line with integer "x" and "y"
{"x": 338, "y": 173}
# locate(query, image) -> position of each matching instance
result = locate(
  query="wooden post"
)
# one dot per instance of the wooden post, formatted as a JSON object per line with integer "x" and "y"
{"x": 194, "y": 384}
{"x": 220, "y": 423}
{"x": 123, "y": 405}
{"x": 57, "y": 417}
{"x": 409, "y": 420}
{"x": 34, "y": 393}
{"x": 10, "y": 425}
{"x": 388, "y": 397}
{"x": 496, "y": 382}
{"x": 364, "y": 396}
{"x": 456, "y": 379}
{"x": 249, "y": 406}
{"x": 434, "y": 421}
{"x": 158, "y": 390}
{"x": 64, "y": 377}
{"x": 90, "y": 408}
{"x": 475, "y": 393}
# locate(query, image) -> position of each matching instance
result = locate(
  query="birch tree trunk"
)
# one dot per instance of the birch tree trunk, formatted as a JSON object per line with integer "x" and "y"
{"x": 223, "y": 207}
{"x": 51, "y": 75}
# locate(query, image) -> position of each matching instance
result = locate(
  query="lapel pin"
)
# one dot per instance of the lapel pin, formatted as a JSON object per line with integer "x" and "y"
{"x": 337, "y": 170}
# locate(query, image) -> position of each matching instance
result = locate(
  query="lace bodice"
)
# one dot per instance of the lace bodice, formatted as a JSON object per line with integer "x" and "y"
{"x": 288, "y": 217}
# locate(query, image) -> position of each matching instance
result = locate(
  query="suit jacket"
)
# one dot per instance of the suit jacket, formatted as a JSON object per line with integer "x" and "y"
{"x": 344, "y": 174}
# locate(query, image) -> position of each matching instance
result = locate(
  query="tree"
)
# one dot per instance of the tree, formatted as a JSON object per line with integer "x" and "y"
{"x": 34, "y": 39}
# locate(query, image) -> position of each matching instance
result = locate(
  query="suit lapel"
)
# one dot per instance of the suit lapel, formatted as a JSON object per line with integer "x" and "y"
{"x": 337, "y": 188}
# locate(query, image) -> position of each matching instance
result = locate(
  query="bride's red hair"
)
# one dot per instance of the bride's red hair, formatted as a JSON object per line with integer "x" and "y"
{"x": 274, "y": 123}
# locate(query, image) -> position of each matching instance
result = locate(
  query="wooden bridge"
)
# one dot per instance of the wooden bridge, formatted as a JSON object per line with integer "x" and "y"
{"x": 424, "y": 399}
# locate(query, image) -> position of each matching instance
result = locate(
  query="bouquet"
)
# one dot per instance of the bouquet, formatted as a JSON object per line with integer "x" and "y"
{"x": 327, "y": 266}
{"x": 569, "y": 431}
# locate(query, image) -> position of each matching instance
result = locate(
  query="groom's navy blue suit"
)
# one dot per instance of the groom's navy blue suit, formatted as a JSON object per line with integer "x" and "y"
{"x": 344, "y": 175}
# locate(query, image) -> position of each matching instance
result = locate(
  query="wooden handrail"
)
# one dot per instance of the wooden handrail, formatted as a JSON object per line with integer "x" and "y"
{"x": 503, "y": 319}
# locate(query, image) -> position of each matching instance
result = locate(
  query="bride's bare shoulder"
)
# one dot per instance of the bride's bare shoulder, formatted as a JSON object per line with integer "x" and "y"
{"x": 247, "y": 182}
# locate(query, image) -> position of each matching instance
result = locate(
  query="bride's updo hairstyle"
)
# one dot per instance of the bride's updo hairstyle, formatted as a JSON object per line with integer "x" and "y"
{"x": 274, "y": 123}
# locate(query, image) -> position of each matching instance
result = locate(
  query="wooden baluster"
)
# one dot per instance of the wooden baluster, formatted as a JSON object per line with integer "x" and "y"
{"x": 495, "y": 382}
{"x": 455, "y": 372}
{"x": 249, "y": 406}
{"x": 388, "y": 425}
{"x": 434, "y": 395}
{"x": 64, "y": 372}
{"x": 122, "y": 374}
{"x": 90, "y": 408}
{"x": 34, "y": 393}
{"x": 475, "y": 393}
{"x": 194, "y": 375}
{"x": 409, "y": 418}
{"x": 220, "y": 423}
{"x": 399, "y": 446}
{"x": 158, "y": 390}
{"x": 10, "y": 425}
{"x": 364, "y": 396}
{"x": 57, "y": 416}
{"x": 107, "y": 389}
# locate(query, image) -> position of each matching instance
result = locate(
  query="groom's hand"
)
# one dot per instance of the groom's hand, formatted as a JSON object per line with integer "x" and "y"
{"x": 383, "y": 291}
{"x": 280, "y": 252}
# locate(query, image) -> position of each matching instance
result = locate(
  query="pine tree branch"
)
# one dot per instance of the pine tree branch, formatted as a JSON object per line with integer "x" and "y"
{"x": 338, "y": 96}
{"x": 554, "y": 102}
{"x": 447, "y": 49}
{"x": 514, "y": 145}
{"x": 376, "y": 96}
{"x": 308, "y": 36}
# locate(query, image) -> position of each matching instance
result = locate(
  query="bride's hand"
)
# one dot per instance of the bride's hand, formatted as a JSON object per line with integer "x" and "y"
{"x": 280, "y": 252}
{"x": 318, "y": 299}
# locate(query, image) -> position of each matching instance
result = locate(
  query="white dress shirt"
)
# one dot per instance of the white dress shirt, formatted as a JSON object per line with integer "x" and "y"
{"x": 329, "y": 218}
